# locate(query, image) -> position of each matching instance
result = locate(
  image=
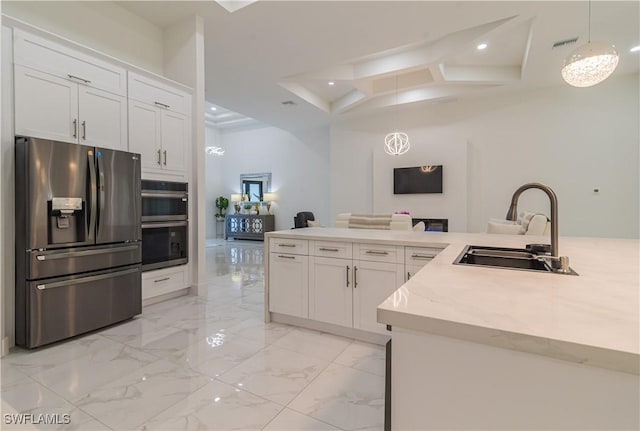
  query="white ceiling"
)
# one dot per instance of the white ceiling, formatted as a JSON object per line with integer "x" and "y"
{"x": 269, "y": 52}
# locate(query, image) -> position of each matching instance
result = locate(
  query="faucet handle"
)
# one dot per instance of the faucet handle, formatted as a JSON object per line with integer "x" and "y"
{"x": 564, "y": 264}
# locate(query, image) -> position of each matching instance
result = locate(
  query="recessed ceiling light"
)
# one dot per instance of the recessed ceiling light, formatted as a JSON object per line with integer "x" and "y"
{"x": 213, "y": 108}
{"x": 635, "y": 49}
{"x": 331, "y": 83}
{"x": 482, "y": 46}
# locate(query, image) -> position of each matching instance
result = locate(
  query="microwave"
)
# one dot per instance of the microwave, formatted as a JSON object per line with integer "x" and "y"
{"x": 164, "y": 201}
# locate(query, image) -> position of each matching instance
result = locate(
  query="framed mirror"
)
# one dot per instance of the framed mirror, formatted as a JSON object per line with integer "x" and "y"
{"x": 255, "y": 185}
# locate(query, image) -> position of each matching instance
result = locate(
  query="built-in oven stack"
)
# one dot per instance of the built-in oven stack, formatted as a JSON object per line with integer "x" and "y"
{"x": 165, "y": 224}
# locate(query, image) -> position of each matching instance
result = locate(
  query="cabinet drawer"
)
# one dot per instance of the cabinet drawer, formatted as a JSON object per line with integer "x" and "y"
{"x": 342, "y": 250}
{"x": 67, "y": 63}
{"x": 420, "y": 256}
{"x": 155, "y": 93}
{"x": 289, "y": 246}
{"x": 156, "y": 283}
{"x": 378, "y": 253}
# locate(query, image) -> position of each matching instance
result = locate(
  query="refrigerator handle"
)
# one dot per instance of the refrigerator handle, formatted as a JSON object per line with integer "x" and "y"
{"x": 91, "y": 228}
{"x": 100, "y": 191}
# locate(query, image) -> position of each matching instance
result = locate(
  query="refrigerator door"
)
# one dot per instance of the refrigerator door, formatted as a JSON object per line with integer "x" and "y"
{"x": 118, "y": 196}
{"x": 62, "y": 307}
{"x": 55, "y": 194}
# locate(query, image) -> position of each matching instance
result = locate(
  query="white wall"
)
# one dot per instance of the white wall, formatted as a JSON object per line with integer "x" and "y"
{"x": 299, "y": 166}
{"x": 103, "y": 26}
{"x": 572, "y": 139}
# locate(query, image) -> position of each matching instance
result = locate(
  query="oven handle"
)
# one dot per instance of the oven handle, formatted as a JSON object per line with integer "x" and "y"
{"x": 169, "y": 224}
{"x": 157, "y": 194}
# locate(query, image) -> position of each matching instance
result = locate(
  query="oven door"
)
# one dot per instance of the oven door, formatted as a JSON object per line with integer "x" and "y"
{"x": 164, "y": 205}
{"x": 164, "y": 244}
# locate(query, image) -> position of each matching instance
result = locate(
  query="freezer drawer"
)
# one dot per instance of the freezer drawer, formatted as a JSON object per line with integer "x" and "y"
{"x": 56, "y": 263}
{"x": 62, "y": 307}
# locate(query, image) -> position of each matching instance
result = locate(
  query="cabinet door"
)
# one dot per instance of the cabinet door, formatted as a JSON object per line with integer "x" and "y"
{"x": 330, "y": 290}
{"x": 410, "y": 271}
{"x": 45, "y": 106}
{"x": 144, "y": 134}
{"x": 103, "y": 119}
{"x": 373, "y": 283}
{"x": 289, "y": 284}
{"x": 174, "y": 140}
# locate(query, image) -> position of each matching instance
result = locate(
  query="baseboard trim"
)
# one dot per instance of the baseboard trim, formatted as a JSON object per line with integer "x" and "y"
{"x": 4, "y": 349}
{"x": 369, "y": 337}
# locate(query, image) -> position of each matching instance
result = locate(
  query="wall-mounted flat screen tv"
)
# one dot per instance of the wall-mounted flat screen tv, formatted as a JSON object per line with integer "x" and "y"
{"x": 421, "y": 179}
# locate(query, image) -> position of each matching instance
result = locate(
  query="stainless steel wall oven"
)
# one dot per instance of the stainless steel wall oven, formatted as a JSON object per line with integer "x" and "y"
{"x": 165, "y": 224}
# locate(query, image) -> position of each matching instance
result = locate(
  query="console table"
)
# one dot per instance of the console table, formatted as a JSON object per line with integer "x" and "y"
{"x": 248, "y": 226}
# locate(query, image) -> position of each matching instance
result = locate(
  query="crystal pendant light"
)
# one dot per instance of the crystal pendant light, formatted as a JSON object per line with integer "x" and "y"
{"x": 590, "y": 64}
{"x": 396, "y": 143}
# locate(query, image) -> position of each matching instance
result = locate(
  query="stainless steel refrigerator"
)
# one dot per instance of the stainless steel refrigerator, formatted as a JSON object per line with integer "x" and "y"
{"x": 78, "y": 250}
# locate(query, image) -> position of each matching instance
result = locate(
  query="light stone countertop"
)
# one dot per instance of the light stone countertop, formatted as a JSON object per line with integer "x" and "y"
{"x": 592, "y": 318}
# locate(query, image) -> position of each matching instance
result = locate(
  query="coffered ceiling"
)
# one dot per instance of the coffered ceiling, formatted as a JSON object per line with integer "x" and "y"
{"x": 378, "y": 54}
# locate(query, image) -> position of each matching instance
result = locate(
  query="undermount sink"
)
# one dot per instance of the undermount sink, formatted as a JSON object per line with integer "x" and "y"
{"x": 509, "y": 258}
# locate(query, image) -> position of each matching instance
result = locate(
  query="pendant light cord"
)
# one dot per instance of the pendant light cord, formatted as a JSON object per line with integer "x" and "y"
{"x": 589, "y": 41}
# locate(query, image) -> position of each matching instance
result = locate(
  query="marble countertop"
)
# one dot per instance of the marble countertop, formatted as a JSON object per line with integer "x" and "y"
{"x": 592, "y": 318}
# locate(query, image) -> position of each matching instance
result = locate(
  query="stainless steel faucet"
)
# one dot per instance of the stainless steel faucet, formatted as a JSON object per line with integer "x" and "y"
{"x": 512, "y": 214}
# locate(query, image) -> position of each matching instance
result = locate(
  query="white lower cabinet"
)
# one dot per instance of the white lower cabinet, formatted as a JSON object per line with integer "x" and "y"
{"x": 289, "y": 284}
{"x": 330, "y": 290}
{"x": 163, "y": 281}
{"x": 373, "y": 282}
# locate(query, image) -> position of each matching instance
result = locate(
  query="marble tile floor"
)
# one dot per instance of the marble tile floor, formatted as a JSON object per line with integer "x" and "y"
{"x": 202, "y": 363}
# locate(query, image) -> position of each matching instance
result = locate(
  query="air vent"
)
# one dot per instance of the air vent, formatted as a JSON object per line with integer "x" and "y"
{"x": 288, "y": 103}
{"x": 564, "y": 42}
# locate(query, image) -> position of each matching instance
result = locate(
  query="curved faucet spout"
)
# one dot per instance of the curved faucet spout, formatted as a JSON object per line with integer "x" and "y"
{"x": 512, "y": 213}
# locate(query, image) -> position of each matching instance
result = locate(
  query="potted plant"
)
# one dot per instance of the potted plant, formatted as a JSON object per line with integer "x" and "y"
{"x": 222, "y": 204}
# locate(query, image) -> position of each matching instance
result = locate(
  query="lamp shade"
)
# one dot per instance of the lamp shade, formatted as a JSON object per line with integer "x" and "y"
{"x": 236, "y": 197}
{"x": 590, "y": 64}
{"x": 269, "y": 197}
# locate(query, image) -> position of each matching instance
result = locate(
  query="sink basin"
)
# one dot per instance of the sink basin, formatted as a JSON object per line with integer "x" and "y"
{"x": 510, "y": 258}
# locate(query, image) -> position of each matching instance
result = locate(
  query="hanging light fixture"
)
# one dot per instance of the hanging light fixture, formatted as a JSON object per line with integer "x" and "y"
{"x": 396, "y": 143}
{"x": 590, "y": 64}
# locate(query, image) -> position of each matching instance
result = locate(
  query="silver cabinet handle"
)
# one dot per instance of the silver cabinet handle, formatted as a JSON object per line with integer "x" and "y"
{"x": 84, "y": 130}
{"x": 382, "y": 253}
{"x": 355, "y": 277}
{"x": 286, "y": 257}
{"x": 328, "y": 249}
{"x": 161, "y": 194}
{"x": 286, "y": 245}
{"x": 162, "y": 279}
{"x": 54, "y": 256}
{"x": 155, "y": 225}
{"x": 347, "y": 275}
{"x": 159, "y": 157}
{"x": 75, "y": 127}
{"x": 165, "y": 157}
{"x": 408, "y": 275}
{"x": 423, "y": 256}
{"x": 161, "y": 104}
{"x": 86, "y": 81}
{"x": 86, "y": 279}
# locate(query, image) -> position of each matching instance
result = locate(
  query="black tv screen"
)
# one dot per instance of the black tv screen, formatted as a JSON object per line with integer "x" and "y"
{"x": 421, "y": 179}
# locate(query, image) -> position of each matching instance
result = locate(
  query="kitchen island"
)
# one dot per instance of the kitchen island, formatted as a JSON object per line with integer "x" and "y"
{"x": 478, "y": 347}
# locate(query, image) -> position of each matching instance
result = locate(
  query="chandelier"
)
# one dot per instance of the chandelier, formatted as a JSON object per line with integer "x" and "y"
{"x": 396, "y": 143}
{"x": 590, "y": 64}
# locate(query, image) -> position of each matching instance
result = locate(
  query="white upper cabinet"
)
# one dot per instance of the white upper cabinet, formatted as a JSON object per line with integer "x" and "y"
{"x": 66, "y": 95}
{"x": 103, "y": 119}
{"x": 159, "y": 125}
{"x": 152, "y": 92}
{"x": 45, "y": 106}
{"x": 64, "y": 62}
